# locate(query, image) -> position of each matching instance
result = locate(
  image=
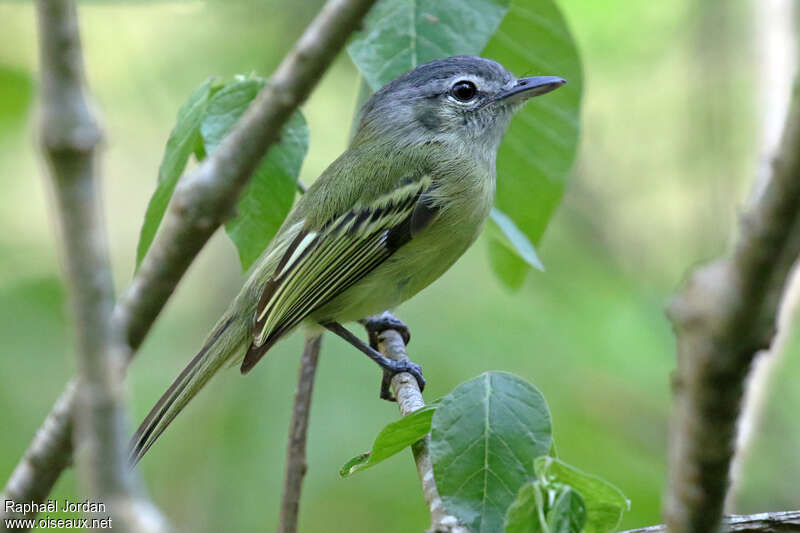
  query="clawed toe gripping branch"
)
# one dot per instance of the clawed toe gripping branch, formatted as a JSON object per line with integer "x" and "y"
{"x": 375, "y": 326}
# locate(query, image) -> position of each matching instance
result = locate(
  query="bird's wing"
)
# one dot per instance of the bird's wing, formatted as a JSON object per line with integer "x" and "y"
{"x": 319, "y": 265}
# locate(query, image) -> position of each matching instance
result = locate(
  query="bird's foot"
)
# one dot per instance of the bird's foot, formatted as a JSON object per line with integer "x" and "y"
{"x": 377, "y": 324}
{"x": 398, "y": 367}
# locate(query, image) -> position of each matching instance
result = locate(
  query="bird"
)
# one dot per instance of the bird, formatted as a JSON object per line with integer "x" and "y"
{"x": 382, "y": 222}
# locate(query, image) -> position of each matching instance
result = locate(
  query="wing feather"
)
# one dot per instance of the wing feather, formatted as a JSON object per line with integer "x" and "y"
{"x": 319, "y": 265}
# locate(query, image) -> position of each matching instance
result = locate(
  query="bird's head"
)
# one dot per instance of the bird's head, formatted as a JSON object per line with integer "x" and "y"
{"x": 461, "y": 100}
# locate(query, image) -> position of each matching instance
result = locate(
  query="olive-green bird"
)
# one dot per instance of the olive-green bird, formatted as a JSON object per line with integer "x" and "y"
{"x": 383, "y": 221}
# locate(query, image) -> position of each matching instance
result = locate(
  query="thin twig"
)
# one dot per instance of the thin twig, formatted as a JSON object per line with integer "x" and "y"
{"x": 724, "y": 317}
{"x": 775, "y": 522}
{"x": 202, "y": 200}
{"x": 296, "y": 465}
{"x": 409, "y": 399}
{"x": 70, "y": 135}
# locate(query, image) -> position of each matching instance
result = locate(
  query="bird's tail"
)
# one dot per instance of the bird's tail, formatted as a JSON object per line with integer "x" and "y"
{"x": 226, "y": 341}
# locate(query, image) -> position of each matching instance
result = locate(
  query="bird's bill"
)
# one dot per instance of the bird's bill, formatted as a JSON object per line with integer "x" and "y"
{"x": 524, "y": 88}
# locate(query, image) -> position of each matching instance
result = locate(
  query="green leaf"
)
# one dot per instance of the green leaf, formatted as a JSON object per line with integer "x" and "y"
{"x": 506, "y": 246}
{"x": 180, "y": 145}
{"x": 526, "y": 513}
{"x": 507, "y": 265}
{"x": 567, "y": 513}
{"x": 484, "y": 438}
{"x": 537, "y": 152}
{"x": 392, "y": 439}
{"x": 542, "y": 507}
{"x": 398, "y": 35}
{"x": 267, "y": 199}
{"x": 529, "y": 37}
{"x": 503, "y": 229}
{"x": 605, "y": 503}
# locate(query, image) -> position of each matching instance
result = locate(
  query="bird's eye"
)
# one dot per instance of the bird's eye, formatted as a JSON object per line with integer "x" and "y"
{"x": 464, "y": 90}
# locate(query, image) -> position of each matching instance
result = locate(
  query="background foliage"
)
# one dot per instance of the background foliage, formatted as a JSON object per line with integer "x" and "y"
{"x": 646, "y": 200}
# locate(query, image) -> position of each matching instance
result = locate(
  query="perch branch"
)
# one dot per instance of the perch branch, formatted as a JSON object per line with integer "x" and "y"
{"x": 776, "y": 522}
{"x": 201, "y": 202}
{"x": 296, "y": 465}
{"x": 725, "y": 315}
{"x": 70, "y": 135}
{"x": 409, "y": 399}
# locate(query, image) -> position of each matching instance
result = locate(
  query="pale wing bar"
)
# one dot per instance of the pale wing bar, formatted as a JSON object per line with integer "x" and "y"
{"x": 319, "y": 266}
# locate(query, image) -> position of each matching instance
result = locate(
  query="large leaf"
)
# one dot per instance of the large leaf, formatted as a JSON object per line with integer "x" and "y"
{"x": 542, "y": 507}
{"x": 268, "y": 197}
{"x": 539, "y": 148}
{"x": 401, "y": 34}
{"x": 180, "y": 146}
{"x": 538, "y": 151}
{"x": 605, "y": 503}
{"x": 392, "y": 439}
{"x": 485, "y": 436}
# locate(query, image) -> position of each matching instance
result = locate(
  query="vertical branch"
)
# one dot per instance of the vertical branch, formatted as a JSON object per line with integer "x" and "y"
{"x": 409, "y": 399}
{"x": 296, "y": 465}
{"x": 70, "y": 135}
{"x": 724, "y": 317}
{"x": 777, "y": 60}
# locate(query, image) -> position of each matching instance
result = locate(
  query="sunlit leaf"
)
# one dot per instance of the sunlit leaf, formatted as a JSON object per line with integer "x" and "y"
{"x": 542, "y": 507}
{"x": 567, "y": 512}
{"x": 484, "y": 438}
{"x": 503, "y": 229}
{"x": 180, "y": 145}
{"x": 526, "y": 514}
{"x": 604, "y": 502}
{"x": 268, "y": 197}
{"x": 507, "y": 245}
{"x": 392, "y": 439}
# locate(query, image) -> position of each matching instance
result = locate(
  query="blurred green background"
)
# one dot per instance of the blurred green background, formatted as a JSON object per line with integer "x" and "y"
{"x": 668, "y": 152}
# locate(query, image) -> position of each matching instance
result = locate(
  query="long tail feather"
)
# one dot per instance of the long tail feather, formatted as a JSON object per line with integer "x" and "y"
{"x": 221, "y": 345}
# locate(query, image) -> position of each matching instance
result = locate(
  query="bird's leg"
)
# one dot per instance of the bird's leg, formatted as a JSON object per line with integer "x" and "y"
{"x": 377, "y": 324}
{"x": 389, "y": 366}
